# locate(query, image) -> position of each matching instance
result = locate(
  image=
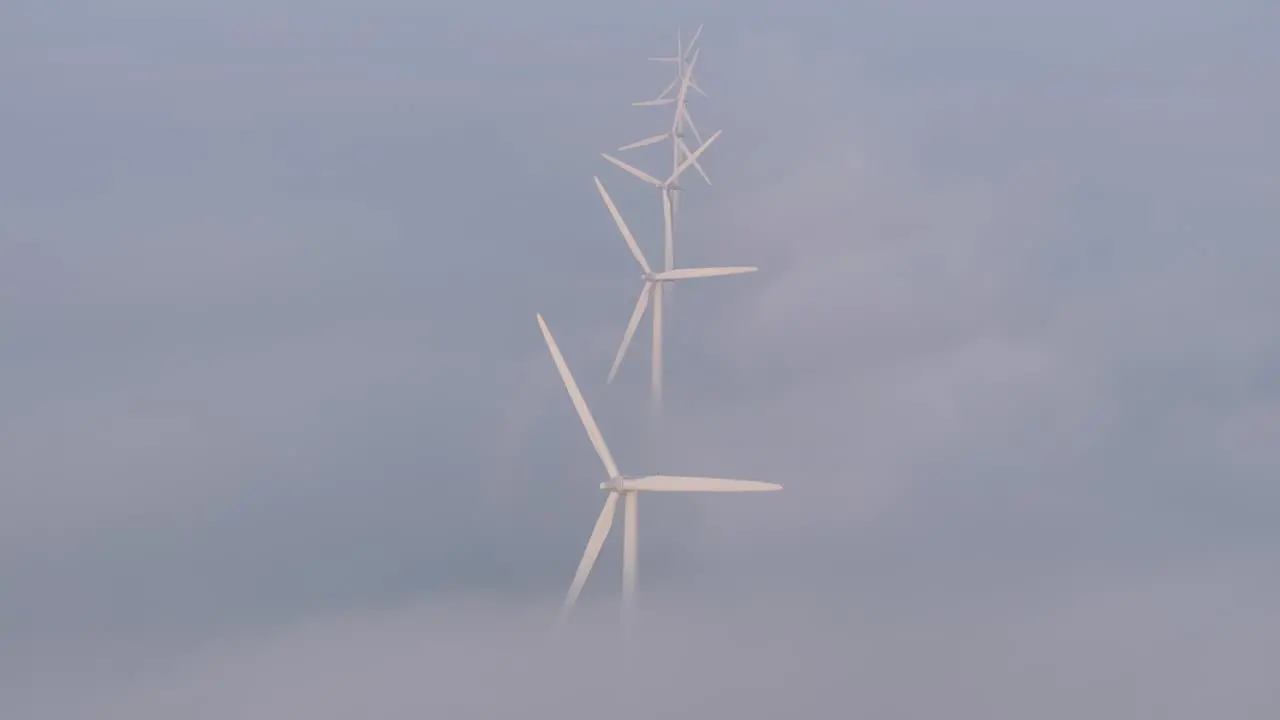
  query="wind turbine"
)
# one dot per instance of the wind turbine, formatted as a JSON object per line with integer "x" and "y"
{"x": 679, "y": 149}
{"x": 670, "y": 189}
{"x": 654, "y": 283}
{"x": 628, "y": 487}
{"x": 680, "y": 59}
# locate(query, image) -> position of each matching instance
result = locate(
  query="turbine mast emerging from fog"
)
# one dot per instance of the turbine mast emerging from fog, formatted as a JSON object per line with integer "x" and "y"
{"x": 682, "y": 158}
{"x": 627, "y": 487}
{"x": 654, "y": 284}
{"x": 617, "y": 486}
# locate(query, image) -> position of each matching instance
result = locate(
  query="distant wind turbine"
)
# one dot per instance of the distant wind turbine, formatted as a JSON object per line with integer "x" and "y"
{"x": 654, "y": 283}
{"x": 681, "y": 58}
{"x": 628, "y": 487}
{"x": 679, "y": 148}
{"x": 670, "y": 189}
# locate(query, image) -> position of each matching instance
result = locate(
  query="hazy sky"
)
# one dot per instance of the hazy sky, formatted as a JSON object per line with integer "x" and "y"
{"x": 280, "y": 438}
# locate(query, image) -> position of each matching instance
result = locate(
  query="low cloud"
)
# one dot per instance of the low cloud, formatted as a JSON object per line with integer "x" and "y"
{"x": 1178, "y": 646}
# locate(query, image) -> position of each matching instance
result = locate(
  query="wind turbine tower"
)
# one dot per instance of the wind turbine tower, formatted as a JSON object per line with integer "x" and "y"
{"x": 655, "y": 284}
{"x": 682, "y": 158}
{"x": 627, "y": 487}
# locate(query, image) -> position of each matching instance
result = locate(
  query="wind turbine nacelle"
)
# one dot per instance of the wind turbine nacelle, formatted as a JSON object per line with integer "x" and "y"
{"x": 618, "y": 484}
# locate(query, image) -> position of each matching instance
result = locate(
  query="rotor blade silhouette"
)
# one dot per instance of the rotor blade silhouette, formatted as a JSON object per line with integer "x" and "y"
{"x": 598, "y": 535}
{"x": 579, "y": 404}
{"x": 641, "y": 304}
{"x": 679, "y": 483}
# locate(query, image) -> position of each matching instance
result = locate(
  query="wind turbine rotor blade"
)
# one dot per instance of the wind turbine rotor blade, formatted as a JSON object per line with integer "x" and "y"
{"x": 694, "y": 157}
{"x": 696, "y": 34}
{"x": 686, "y": 74}
{"x": 688, "y": 67}
{"x": 638, "y": 173}
{"x": 601, "y": 531}
{"x": 645, "y": 142}
{"x": 699, "y": 90}
{"x": 679, "y": 483}
{"x": 668, "y": 89}
{"x": 685, "y": 78}
{"x": 696, "y": 166}
{"x": 648, "y": 103}
{"x": 622, "y": 227}
{"x": 584, "y": 413}
{"x": 641, "y": 304}
{"x": 664, "y": 59}
{"x": 684, "y": 111}
{"x": 690, "y": 273}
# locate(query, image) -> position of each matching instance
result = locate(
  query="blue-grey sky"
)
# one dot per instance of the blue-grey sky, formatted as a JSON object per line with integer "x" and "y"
{"x": 280, "y": 436}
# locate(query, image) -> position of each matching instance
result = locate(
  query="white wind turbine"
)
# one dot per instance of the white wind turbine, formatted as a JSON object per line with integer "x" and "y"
{"x": 680, "y": 59}
{"x": 670, "y": 190}
{"x": 628, "y": 487}
{"x": 679, "y": 148}
{"x": 654, "y": 284}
